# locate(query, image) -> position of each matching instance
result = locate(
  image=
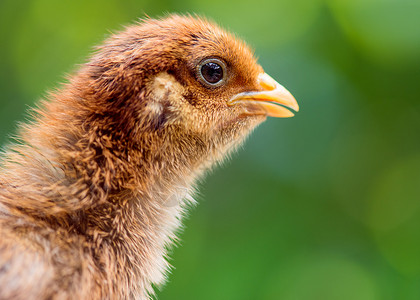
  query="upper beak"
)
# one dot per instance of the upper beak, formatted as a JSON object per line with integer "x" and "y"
{"x": 262, "y": 102}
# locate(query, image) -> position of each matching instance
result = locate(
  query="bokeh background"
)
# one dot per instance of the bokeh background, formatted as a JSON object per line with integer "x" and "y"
{"x": 325, "y": 205}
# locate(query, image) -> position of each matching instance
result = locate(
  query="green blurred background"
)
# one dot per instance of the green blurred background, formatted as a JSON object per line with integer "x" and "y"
{"x": 325, "y": 205}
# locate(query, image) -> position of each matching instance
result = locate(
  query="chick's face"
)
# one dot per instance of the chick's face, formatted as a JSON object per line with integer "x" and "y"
{"x": 212, "y": 84}
{"x": 186, "y": 75}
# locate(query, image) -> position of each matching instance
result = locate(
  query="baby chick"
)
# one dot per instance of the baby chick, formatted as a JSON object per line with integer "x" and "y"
{"x": 92, "y": 195}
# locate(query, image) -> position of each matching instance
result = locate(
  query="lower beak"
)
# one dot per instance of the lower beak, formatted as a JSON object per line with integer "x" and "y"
{"x": 266, "y": 101}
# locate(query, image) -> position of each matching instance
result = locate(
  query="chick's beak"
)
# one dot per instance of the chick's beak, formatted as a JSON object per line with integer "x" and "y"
{"x": 265, "y": 101}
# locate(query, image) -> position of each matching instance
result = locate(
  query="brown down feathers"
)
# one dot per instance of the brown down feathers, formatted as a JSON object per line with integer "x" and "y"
{"x": 93, "y": 193}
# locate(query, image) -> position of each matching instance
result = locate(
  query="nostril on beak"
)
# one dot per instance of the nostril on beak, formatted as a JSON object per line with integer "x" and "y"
{"x": 266, "y": 82}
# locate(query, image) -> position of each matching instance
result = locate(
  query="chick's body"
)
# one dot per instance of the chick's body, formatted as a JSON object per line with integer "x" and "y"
{"x": 93, "y": 194}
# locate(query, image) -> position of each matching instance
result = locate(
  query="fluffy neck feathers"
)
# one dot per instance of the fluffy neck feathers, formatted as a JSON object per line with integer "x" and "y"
{"x": 122, "y": 198}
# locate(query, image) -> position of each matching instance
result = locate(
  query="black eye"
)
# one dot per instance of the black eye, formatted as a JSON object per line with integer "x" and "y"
{"x": 212, "y": 72}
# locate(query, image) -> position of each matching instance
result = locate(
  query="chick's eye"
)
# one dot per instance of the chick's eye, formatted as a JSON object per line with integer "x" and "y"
{"x": 212, "y": 72}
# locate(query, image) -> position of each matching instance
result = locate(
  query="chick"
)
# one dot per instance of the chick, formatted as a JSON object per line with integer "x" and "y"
{"x": 92, "y": 196}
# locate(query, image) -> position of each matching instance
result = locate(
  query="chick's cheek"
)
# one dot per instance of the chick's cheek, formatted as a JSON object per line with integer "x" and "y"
{"x": 164, "y": 91}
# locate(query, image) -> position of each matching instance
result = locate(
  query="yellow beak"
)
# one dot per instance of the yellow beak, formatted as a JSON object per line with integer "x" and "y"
{"x": 263, "y": 102}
